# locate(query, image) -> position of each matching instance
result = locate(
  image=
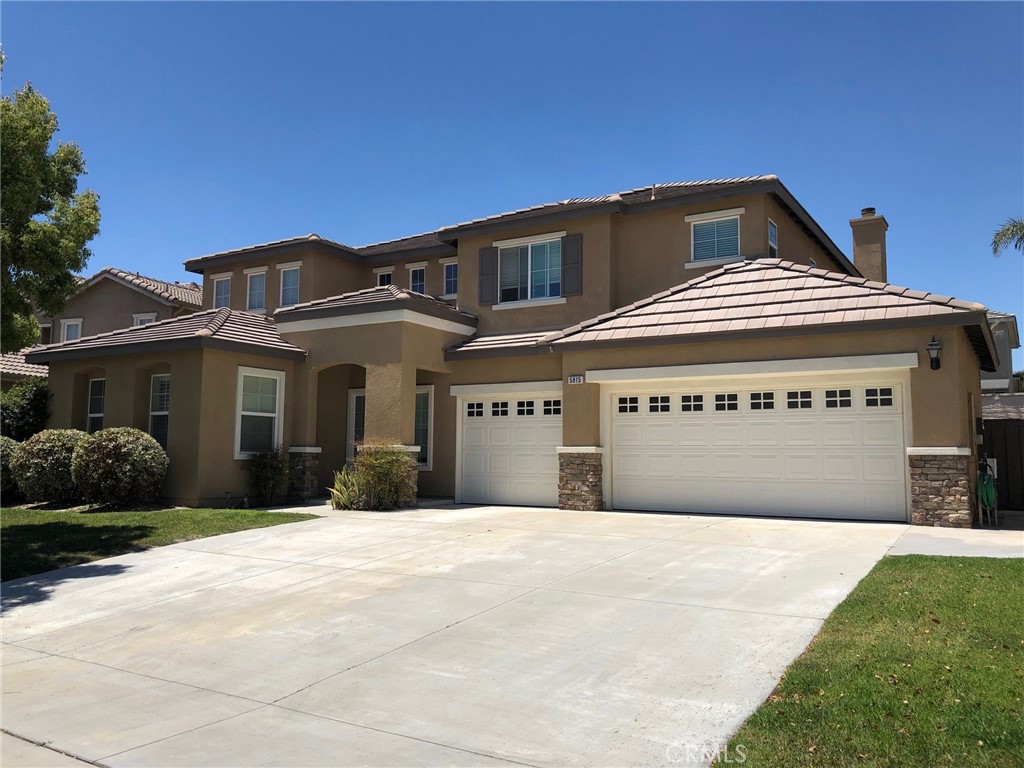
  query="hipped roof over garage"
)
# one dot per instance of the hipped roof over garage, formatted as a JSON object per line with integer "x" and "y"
{"x": 771, "y": 298}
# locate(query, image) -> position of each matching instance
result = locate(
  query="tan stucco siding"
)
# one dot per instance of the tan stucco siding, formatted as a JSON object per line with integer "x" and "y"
{"x": 108, "y": 306}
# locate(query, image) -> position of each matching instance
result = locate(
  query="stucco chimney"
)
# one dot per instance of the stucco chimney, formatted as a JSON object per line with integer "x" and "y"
{"x": 869, "y": 245}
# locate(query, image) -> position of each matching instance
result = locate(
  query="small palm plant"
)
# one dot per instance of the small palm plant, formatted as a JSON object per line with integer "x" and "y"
{"x": 1011, "y": 234}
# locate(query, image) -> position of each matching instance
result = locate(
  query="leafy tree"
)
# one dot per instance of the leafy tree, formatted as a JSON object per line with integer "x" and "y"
{"x": 45, "y": 222}
{"x": 24, "y": 409}
{"x": 1011, "y": 234}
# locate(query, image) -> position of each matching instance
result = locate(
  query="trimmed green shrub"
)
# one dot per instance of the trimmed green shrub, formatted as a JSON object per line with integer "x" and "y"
{"x": 120, "y": 465}
{"x": 386, "y": 476}
{"x": 42, "y": 465}
{"x": 8, "y": 488}
{"x": 346, "y": 492}
{"x": 268, "y": 471}
{"x": 24, "y": 409}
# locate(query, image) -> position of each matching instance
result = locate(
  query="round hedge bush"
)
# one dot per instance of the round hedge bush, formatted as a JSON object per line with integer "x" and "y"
{"x": 42, "y": 465}
{"x": 119, "y": 465}
{"x": 8, "y": 488}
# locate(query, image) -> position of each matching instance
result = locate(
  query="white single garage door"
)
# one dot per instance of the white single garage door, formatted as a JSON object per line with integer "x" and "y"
{"x": 783, "y": 448}
{"x": 508, "y": 451}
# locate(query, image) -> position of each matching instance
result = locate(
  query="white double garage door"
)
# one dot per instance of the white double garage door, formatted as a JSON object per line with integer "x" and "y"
{"x": 803, "y": 447}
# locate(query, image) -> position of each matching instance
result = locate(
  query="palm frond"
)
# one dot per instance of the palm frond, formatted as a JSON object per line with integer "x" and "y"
{"x": 1011, "y": 234}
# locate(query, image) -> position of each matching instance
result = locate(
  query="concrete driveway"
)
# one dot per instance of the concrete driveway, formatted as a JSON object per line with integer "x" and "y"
{"x": 448, "y": 636}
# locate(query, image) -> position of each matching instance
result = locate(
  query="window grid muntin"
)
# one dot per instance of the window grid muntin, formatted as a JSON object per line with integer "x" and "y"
{"x": 384, "y": 279}
{"x": 838, "y": 398}
{"x": 728, "y": 401}
{"x": 879, "y": 397}
{"x": 421, "y": 426}
{"x": 256, "y": 297}
{"x": 797, "y": 399}
{"x": 629, "y": 404}
{"x": 96, "y": 405}
{"x": 552, "y": 407}
{"x": 474, "y": 410}
{"x": 258, "y": 413}
{"x": 499, "y": 408}
{"x": 221, "y": 292}
{"x": 659, "y": 404}
{"x": 762, "y": 401}
{"x": 418, "y": 279}
{"x": 159, "y": 407}
{"x": 692, "y": 403}
{"x": 524, "y": 407}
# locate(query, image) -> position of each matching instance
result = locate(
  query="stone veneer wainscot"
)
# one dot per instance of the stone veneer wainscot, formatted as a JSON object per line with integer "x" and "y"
{"x": 580, "y": 481}
{"x": 940, "y": 490}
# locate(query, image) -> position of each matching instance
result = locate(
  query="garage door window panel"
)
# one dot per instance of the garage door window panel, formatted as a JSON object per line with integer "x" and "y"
{"x": 879, "y": 397}
{"x": 801, "y": 399}
{"x": 692, "y": 403}
{"x": 524, "y": 408}
{"x": 727, "y": 402}
{"x": 474, "y": 410}
{"x": 659, "y": 404}
{"x": 629, "y": 405}
{"x": 499, "y": 408}
{"x": 838, "y": 398}
{"x": 552, "y": 407}
{"x": 762, "y": 401}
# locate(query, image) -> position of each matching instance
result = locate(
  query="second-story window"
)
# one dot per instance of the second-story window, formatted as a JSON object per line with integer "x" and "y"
{"x": 418, "y": 279}
{"x": 143, "y": 318}
{"x": 532, "y": 271}
{"x": 221, "y": 292}
{"x": 451, "y": 279}
{"x": 385, "y": 276}
{"x": 257, "y": 296}
{"x": 289, "y": 286}
{"x": 71, "y": 330}
{"x": 715, "y": 235}
{"x": 773, "y": 239}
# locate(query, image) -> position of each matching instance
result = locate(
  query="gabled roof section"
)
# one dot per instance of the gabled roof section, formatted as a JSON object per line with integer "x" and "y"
{"x": 186, "y": 294}
{"x": 310, "y": 242}
{"x": 214, "y": 328}
{"x": 771, "y": 297}
{"x": 14, "y": 366}
{"x": 380, "y": 299}
{"x": 1010, "y": 321}
{"x": 1004, "y": 405}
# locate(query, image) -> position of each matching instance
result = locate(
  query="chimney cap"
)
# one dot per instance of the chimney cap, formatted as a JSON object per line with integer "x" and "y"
{"x": 865, "y": 212}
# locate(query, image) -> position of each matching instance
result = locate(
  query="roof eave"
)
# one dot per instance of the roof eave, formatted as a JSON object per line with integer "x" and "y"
{"x": 70, "y": 352}
{"x": 411, "y": 253}
{"x": 201, "y": 264}
{"x": 284, "y": 316}
{"x": 452, "y": 234}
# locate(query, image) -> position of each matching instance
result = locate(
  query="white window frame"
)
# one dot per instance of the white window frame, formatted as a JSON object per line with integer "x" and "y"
{"x": 268, "y": 373}
{"x": 445, "y": 263}
{"x": 703, "y": 218}
{"x": 64, "y": 324}
{"x": 383, "y": 271}
{"x": 152, "y": 413}
{"x": 350, "y": 427}
{"x": 249, "y": 274}
{"x": 143, "y": 318}
{"x": 293, "y": 266}
{"x": 772, "y": 225}
{"x": 221, "y": 278}
{"x": 89, "y": 415}
{"x": 528, "y": 241}
{"x": 419, "y": 266}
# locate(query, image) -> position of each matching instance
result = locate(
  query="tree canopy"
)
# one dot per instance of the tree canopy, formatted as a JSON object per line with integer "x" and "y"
{"x": 1010, "y": 234}
{"x": 45, "y": 222}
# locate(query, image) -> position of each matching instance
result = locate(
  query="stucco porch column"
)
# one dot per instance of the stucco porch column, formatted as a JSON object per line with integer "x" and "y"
{"x": 391, "y": 402}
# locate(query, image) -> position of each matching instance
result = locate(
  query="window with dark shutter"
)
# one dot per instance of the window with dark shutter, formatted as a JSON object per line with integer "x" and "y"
{"x": 572, "y": 265}
{"x": 488, "y": 276}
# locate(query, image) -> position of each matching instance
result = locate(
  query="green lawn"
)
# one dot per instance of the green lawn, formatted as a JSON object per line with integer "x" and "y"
{"x": 923, "y": 664}
{"x": 34, "y": 541}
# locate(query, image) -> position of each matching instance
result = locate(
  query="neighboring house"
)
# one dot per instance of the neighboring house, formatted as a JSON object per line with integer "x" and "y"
{"x": 1007, "y": 338}
{"x": 14, "y": 368}
{"x": 699, "y": 346}
{"x": 1004, "y": 442}
{"x": 113, "y": 299}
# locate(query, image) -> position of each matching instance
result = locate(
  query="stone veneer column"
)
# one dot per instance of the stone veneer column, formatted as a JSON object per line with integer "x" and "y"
{"x": 304, "y": 473}
{"x": 940, "y": 490}
{"x": 580, "y": 479}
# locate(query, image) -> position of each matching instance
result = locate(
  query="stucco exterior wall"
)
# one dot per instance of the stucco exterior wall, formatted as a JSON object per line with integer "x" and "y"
{"x": 794, "y": 244}
{"x": 108, "y": 306}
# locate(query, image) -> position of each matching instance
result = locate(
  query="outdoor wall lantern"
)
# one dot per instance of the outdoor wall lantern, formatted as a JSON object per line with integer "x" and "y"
{"x": 934, "y": 350}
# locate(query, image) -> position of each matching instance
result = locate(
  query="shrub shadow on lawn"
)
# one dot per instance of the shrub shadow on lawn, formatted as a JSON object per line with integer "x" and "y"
{"x": 40, "y": 547}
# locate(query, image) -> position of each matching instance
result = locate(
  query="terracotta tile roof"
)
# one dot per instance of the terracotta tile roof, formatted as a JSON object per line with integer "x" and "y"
{"x": 1002, "y": 406}
{"x": 762, "y": 295}
{"x": 650, "y": 193}
{"x": 226, "y": 328}
{"x": 487, "y": 346}
{"x": 14, "y": 366}
{"x": 189, "y": 294}
{"x": 373, "y": 300}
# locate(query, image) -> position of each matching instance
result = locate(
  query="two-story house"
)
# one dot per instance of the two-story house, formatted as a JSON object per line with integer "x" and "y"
{"x": 698, "y": 346}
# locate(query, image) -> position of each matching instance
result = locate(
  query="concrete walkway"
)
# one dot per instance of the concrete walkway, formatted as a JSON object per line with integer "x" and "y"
{"x": 447, "y": 636}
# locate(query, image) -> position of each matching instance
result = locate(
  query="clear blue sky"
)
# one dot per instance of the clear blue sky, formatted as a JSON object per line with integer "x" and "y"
{"x": 210, "y": 126}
